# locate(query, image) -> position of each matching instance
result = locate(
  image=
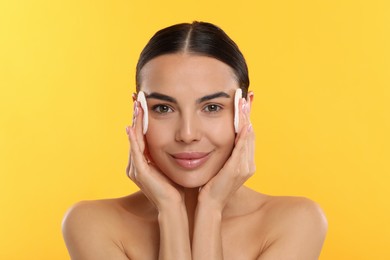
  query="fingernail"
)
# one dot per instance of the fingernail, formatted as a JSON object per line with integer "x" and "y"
{"x": 243, "y": 105}
{"x": 135, "y": 114}
{"x": 135, "y": 106}
{"x": 127, "y": 130}
{"x": 247, "y": 108}
{"x": 250, "y": 128}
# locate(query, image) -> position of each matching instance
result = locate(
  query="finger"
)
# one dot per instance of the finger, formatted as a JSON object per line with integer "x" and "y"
{"x": 248, "y": 155}
{"x": 139, "y": 113}
{"x": 128, "y": 166}
{"x": 133, "y": 173}
{"x": 241, "y": 137}
{"x": 135, "y": 149}
{"x": 129, "y": 160}
{"x": 232, "y": 164}
{"x": 243, "y": 119}
{"x": 136, "y": 144}
{"x": 251, "y": 150}
{"x": 137, "y": 162}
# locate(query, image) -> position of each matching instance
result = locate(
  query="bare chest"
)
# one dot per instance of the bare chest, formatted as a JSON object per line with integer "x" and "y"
{"x": 242, "y": 238}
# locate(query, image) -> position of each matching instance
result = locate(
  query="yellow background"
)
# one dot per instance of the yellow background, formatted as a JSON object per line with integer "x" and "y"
{"x": 320, "y": 71}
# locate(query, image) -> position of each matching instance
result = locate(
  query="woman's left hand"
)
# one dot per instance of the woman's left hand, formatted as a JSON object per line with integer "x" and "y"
{"x": 238, "y": 168}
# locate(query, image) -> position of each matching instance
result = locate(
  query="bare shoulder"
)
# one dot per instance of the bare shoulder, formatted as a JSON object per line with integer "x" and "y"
{"x": 90, "y": 214}
{"x": 85, "y": 231}
{"x": 94, "y": 229}
{"x": 299, "y": 228}
{"x": 85, "y": 208}
{"x": 285, "y": 208}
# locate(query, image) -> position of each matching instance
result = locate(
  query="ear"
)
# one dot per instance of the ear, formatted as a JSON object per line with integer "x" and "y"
{"x": 249, "y": 98}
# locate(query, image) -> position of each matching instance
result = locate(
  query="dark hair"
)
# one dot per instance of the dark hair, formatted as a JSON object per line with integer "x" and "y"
{"x": 198, "y": 38}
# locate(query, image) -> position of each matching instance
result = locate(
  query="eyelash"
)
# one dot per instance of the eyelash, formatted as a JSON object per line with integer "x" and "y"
{"x": 157, "y": 109}
{"x": 217, "y": 107}
{"x": 210, "y": 108}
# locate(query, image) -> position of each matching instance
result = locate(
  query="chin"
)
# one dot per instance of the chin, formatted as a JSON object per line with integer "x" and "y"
{"x": 191, "y": 181}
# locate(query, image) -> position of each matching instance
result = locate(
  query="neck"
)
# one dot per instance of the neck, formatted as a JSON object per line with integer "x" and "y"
{"x": 191, "y": 201}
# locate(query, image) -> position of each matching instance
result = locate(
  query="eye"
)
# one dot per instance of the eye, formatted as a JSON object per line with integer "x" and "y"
{"x": 212, "y": 108}
{"x": 162, "y": 109}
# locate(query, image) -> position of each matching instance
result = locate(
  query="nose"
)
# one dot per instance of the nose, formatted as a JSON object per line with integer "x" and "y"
{"x": 188, "y": 129}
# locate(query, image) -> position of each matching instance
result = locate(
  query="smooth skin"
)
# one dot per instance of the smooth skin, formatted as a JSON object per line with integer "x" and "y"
{"x": 196, "y": 213}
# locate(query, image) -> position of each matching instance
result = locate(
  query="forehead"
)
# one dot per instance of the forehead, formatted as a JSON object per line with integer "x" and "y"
{"x": 176, "y": 73}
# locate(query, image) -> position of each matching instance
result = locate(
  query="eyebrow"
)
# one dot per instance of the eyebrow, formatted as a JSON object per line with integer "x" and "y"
{"x": 212, "y": 96}
{"x": 156, "y": 95}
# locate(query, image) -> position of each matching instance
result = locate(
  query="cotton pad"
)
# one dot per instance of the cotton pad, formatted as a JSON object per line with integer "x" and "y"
{"x": 142, "y": 100}
{"x": 237, "y": 97}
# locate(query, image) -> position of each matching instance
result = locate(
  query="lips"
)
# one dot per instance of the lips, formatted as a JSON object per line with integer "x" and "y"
{"x": 190, "y": 160}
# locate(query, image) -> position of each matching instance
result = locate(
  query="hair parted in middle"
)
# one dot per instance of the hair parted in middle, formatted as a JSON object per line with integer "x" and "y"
{"x": 199, "y": 38}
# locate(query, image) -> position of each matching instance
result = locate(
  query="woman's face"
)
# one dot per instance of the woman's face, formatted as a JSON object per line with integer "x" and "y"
{"x": 191, "y": 106}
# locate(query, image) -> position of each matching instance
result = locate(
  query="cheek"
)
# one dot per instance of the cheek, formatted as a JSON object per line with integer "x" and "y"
{"x": 221, "y": 131}
{"x": 157, "y": 136}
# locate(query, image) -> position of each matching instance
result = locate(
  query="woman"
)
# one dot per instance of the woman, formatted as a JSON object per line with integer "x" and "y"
{"x": 190, "y": 167}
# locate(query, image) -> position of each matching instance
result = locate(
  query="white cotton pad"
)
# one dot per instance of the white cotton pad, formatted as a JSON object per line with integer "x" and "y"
{"x": 237, "y": 97}
{"x": 142, "y": 100}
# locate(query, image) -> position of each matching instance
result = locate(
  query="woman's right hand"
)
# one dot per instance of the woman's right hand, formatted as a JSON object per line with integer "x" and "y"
{"x": 167, "y": 197}
{"x": 160, "y": 190}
